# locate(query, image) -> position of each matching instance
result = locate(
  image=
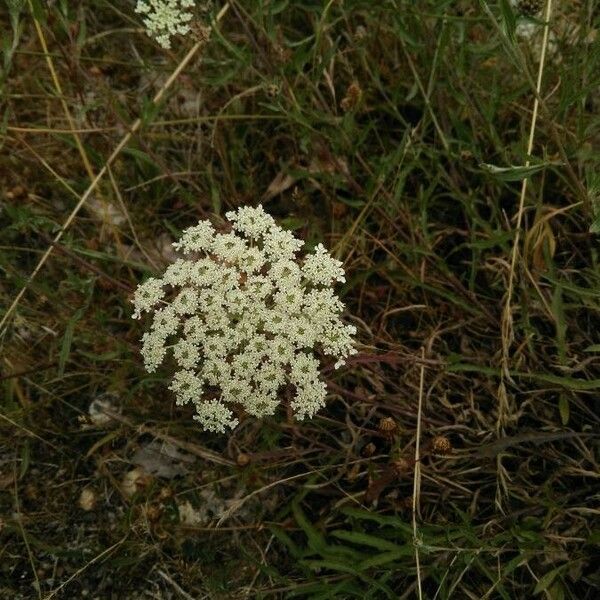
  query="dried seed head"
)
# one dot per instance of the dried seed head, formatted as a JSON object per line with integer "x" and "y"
{"x": 388, "y": 426}
{"x": 360, "y": 33}
{"x": 369, "y": 449}
{"x": 166, "y": 493}
{"x": 273, "y": 90}
{"x": 153, "y": 513}
{"x": 441, "y": 445}
{"x": 352, "y": 98}
{"x": 529, "y": 8}
{"x": 401, "y": 466}
{"x": 242, "y": 459}
{"x": 200, "y": 31}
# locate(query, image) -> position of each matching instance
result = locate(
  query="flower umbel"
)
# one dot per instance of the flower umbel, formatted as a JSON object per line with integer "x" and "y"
{"x": 242, "y": 317}
{"x": 166, "y": 18}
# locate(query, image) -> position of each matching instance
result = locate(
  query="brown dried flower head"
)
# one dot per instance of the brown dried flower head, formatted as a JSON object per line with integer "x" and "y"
{"x": 441, "y": 445}
{"x": 352, "y": 98}
{"x": 388, "y": 426}
{"x": 369, "y": 449}
{"x": 400, "y": 466}
{"x": 242, "y": 459}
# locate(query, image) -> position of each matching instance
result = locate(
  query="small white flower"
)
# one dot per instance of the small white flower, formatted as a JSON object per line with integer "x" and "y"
{"x": 252, "y": 260}
{"x": 252, "y": 222}
{"x": 302, "y": 332}
{"x": 187, "y": 387}
{"x": 245, "y": 364}
{"x": 269, "y": 377}
{"x": 337, "y": 341}
{"x": 166, "y": 18}
{"x": 305, "y": 369}
{"x": 321, "y": 268}
{"x": 215, "y": 370}
{"x": 194, "y": 329}
{"x": 262, "y": 403}
{"x": 178, "y": 273}
{"x": 214, "y": 416}
{"x": 259, "y": 287}
{"x": 244, "y": 319}
{"x": 258, "y": 344}
{"x": 215, "y": 346}
{"x": 186, "y": 303}
{"x": 289, "y": 300}
{"x": 204, "y": 272}
{"x": 281, "y": 244}
{"x": 186, "y": 354}
{"x": 285, "y": 274}
{"x": 309, "y": 399}
{"x": 153, "y": 350}
{"x": 166, "y": 321}
{"x": 196, "y": 239}
{"x": 147, "y": 296}
{"x": 229, "y": 247}
{"x": 281, "y": 351}
{"x": 236, "y": 390}
{"x": 276, "y": 322}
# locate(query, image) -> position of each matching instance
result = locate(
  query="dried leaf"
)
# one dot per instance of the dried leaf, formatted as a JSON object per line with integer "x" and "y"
{"x": 281, "y": 182}
{"x": 162, "y": 459}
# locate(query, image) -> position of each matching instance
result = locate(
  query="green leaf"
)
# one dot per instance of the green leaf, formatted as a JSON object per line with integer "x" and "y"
{"x": 546, "y": 581}
{"x": 364, "y": 539}
{"x": 568, "y": 382}
{"x": 67, "y": 340}
{"x": 367, "y": 515}
{"x": 353, "y": 202}
{"x": 287, "y": 541}
{"x": 332, "y": 565}
{"x": 316, "y": 540}
{"x": 25, "y": 459}
{"x": 149, "y": 111}
{"x": 509, "y": 20}
{"x": 39, "y": 13}
{"x": 15, "y": 7}
{"x": 516, "y": 172}
{"x": 563, "y": 408}
{"x": 385, "y": 558}
{"x": 141, "y": 157}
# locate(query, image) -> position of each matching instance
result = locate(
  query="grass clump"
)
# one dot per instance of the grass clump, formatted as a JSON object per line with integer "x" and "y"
{"x": 397, "y": 135}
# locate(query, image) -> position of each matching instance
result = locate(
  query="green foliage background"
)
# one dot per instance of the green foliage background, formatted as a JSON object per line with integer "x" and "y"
{"x": 396, "y": 133}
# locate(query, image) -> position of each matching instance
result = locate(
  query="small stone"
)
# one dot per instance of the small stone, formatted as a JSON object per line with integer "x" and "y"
{"x": 134, "y": 481}
{"x": 87, "y": 499}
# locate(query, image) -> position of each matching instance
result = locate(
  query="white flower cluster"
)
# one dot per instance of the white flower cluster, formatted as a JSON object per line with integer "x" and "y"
{"x": 166, "y": 18}
{"x": 242, "y": 318}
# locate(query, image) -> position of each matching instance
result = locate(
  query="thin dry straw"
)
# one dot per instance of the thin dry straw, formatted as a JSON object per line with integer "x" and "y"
{"x": 507, "y": 329}
{"x": 417, "y": 475}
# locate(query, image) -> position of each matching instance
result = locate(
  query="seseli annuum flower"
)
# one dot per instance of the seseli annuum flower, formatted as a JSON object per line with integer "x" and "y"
{"x": 165, "y": 18}
{"x": 245, "y": 318}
